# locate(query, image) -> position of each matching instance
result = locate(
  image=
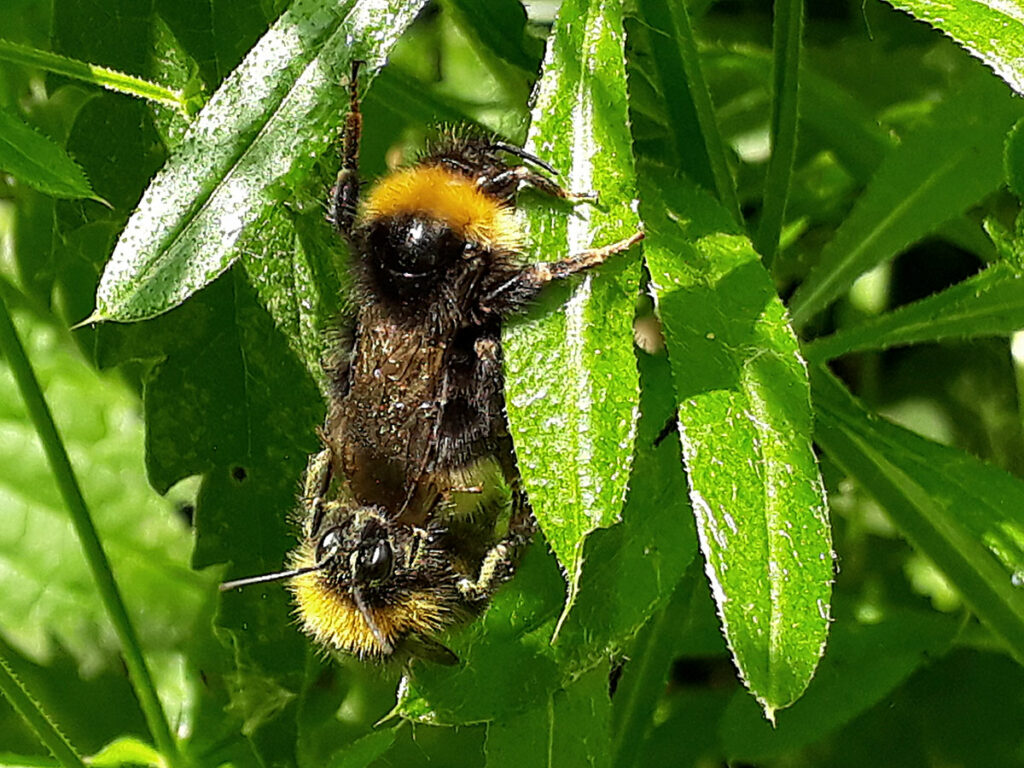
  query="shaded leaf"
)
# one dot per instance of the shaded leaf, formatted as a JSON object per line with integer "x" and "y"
{"x": 48, "y": 594}
{"x": 364, "y": 751}
{"x": 989, "y": 304}
{"x": 909, "y": 639}
{"x": 664, "y": 58}
{"x": 963, "y": 514}
{"x": 226, "y": 399}
{"x": 645, "y": 673}
{"x": 37, "y": 161}
{"x": 935, "y": 174}
{"x": 788, "y": 29}
{"x": 506, "y": 663}
{"x": 568, "y": 730}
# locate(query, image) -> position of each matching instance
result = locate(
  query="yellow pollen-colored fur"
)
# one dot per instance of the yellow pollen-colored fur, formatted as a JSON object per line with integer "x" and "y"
{"x": 333, "y": 619}
{"x": 449, "y": 197}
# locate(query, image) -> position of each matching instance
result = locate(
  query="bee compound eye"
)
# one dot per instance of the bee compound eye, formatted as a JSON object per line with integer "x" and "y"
{"x": 329, "y": 545}
{"x": 376, "y": 561}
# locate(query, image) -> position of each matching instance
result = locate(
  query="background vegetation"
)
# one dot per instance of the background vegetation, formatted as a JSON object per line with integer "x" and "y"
{"x": 853, "y": 164}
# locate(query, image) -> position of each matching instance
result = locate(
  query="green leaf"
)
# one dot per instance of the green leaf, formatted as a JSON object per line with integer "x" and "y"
{"x": 991, "y": 30}
{"x": 225, "y": 398}
{"x": 500, "y": 27}
{"x": 937, "y": 172}
{"x": 961, "y": 513}
{"x": 631, "y": 569}
{"x": 570, "y": 729}
{"x": 786, "y": 44}
{"x": 646, "y": 672}
{"x": 828, "y": 113}
{"x": 290, "y": 261}
{"x": 279, "y": 109}
{"x": 1014, "y": 159}
{"x": 506, "y": 657}
{"x": 111, "y": 79}
{"x": 629, "y": 572}
{"x": 910, "y": 640}
{"x": 48, "y": 596}
{"x": 37, "y": 161}
{"x": 571, "y": 380}
{"x": 745, "y": 422}
{"x": 364, "y": 751}
{"x": 665, "y": 58}
{"x": 216, "y": 35}
{"x": 989, "y": 304}
{"x": 127, "y": 751}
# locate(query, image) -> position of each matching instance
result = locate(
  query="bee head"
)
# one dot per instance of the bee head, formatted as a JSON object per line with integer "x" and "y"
{"x": 360, "y": 548}
{"x": 367, "y": 584}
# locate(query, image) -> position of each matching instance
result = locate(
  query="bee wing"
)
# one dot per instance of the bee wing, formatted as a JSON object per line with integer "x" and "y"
{"x": 428, "y": 649}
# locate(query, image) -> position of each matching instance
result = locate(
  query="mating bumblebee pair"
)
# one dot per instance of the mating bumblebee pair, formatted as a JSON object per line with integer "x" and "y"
{"x": 413, "y": 512}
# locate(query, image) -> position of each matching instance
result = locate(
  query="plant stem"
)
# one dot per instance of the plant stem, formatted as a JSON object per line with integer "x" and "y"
{"x": 39, "y": 411}
{"x": 104, "y": 77}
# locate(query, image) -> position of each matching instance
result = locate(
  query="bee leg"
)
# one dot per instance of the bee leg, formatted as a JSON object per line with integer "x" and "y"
{"x": 498, "y": 565}
{"x": 344, "y": 199}
{"x": 505, "y": 185}
{"x": 318, "y": 481}
{"x": 527, "y": 283}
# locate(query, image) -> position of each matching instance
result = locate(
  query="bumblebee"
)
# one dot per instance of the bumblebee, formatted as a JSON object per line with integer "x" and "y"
{"x": 414, "y": 512}
{"x": 368, "y": 584}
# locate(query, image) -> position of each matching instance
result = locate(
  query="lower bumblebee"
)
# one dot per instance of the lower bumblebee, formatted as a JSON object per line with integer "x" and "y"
{"x": 368, "y": 584}
{"x": 413, "y": 511}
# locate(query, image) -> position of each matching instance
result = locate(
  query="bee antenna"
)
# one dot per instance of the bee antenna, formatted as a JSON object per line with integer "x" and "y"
{"x": 264, "y": 578}
{"x": 386, "y": 647}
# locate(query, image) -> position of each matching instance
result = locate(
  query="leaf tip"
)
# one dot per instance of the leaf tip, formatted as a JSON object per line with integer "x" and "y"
{"x": 93, "y": 319}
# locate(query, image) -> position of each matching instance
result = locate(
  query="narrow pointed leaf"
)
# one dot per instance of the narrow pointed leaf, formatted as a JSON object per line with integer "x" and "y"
{"x": 745, "y": 422}
{"x": 991, "y": 30}
{"x": 937, "y": 173}
{"x": 786, "y": 45}
{"x": 276, "y": 112}
{"x": 989, "y": 304}
{"x": 963, "y": 514}
{"x": 665, "y": 55}
{"x": 572, "y": 383}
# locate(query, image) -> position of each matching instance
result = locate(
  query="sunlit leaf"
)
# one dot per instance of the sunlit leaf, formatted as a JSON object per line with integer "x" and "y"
{"x": 269, "y": 119}
{"x": 571, "y": 376}
{"x": 745, "y": 422}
